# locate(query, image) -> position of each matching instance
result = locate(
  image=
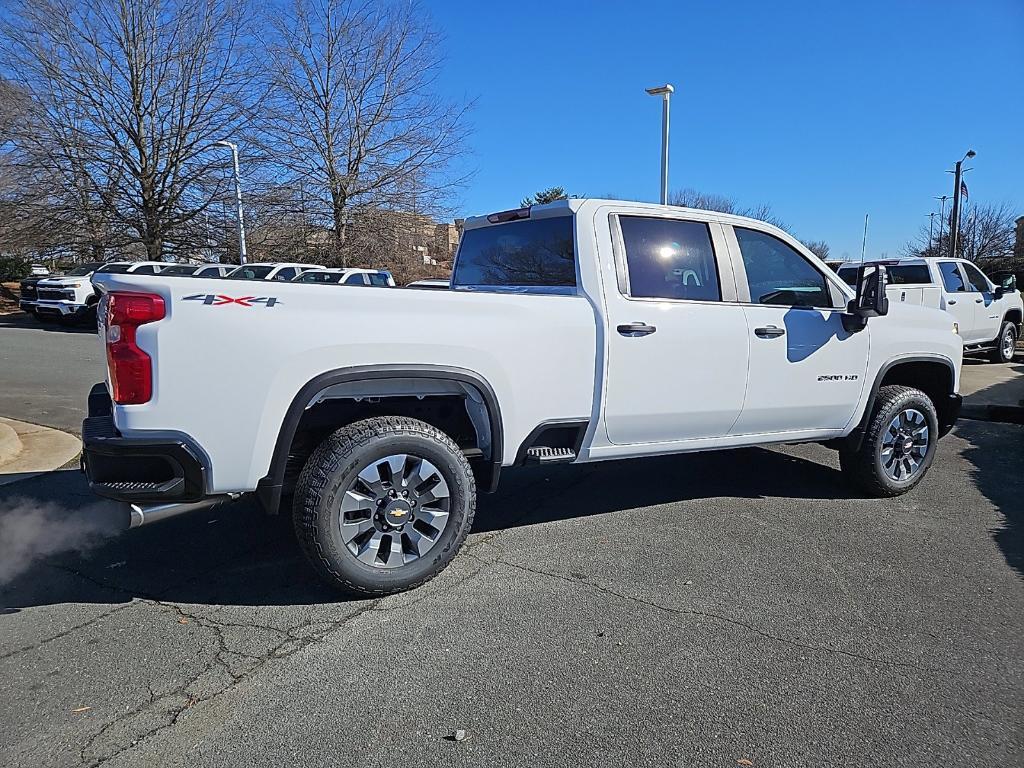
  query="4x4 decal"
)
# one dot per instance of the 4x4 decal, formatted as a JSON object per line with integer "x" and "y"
{"x": 218, "y": 300}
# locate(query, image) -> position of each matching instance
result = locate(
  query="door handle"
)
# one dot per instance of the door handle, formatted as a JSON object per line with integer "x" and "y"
{"x": 978, "y": 301}
{"x": 636, "y": 329}
{"x": 769, "y": 332}
{"x": 951, "y": 301}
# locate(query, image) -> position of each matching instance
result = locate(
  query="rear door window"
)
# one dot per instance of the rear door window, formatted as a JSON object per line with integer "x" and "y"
{"x": 951, "y": 277}
{"x": 909, "y": 274}
{"x": 355, "y": 279}
{"x": 380, "y": 279}
{"x": 669, "y": 259}
{"x": 532, "y": 252}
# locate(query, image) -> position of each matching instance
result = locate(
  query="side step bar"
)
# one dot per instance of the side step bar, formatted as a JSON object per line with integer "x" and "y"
{"x": 541, "y": 454}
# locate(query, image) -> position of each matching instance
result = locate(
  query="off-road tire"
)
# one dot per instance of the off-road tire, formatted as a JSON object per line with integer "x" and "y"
{"x": 998, "y": 354}
{"x": 863, "y": 465}
{"x": 331, "y": 469}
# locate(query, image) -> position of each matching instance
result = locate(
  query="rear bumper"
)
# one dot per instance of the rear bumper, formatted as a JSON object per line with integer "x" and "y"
{"x": 144, "y": 470}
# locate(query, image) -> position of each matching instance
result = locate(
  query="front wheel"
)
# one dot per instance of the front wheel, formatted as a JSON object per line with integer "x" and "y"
{"x": 898, "y": 445}
{"x": 383, "y": 505}
{"x": 1006, "y": 344}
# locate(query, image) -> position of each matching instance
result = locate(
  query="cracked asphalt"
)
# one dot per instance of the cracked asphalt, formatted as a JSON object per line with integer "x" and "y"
{"x": 689, "y": 610}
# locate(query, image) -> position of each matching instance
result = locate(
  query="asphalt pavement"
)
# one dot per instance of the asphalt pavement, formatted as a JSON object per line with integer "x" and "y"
{"x": 691, "y": 610}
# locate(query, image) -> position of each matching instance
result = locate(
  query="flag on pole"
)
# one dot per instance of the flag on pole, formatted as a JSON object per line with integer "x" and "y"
{"x": 963, "y": 189}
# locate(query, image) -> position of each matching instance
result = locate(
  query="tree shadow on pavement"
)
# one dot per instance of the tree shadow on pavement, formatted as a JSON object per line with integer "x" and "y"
{"x": 236, "y": 555}
{"x": 998, "y": 472}
{"x": 24, "y": 320}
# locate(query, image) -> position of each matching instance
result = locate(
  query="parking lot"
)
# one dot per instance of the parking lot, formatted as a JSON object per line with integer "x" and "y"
{"x": 732, "y": 608}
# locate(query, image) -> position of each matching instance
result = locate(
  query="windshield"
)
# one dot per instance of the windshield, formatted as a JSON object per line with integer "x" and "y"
{"x": 84, "y": 269}
{"x": 178, "y": 269}
{"x": 254, "y": 272}
{"x": 320, "y": 277}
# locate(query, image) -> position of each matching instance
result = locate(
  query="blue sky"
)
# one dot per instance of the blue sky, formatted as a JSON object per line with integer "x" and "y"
{"x": 825, "y": 110}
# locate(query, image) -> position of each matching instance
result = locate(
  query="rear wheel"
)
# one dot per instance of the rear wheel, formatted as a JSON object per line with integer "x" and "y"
{"x": 1006, "y": 344}
{"x": 383, "y": 505}
{"x": 898, "y": 445}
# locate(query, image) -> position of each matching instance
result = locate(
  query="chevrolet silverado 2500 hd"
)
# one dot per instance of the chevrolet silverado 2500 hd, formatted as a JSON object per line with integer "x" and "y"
{"x": 576, "y": 331}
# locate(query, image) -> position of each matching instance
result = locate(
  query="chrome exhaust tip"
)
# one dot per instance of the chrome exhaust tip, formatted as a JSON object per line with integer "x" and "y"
{"x": 144, "y": 514}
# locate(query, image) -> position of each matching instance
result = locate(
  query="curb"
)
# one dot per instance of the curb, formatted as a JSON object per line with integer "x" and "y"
{"x": 10, "y": 444}
{"x": 42, "y": 450}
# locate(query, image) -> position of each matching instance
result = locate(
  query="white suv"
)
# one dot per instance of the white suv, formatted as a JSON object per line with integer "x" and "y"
{"x": 377, "y": 277}
{"x": 282, "y": 272}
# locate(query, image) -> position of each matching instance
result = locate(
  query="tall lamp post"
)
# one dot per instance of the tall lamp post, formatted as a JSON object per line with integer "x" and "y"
{"x": 238, "y": 198}
{"x": 954, "y": 225}
{"x": 942, "y": 216}
{"x": 665, "y": 91}
{"x": 931, "y": 225}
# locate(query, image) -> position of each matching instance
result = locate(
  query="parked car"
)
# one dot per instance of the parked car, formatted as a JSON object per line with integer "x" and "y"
{"x": 377, "y": 277}
{"x": 38, "y": 270}
{"x": 71, "y": 298}
{"x": 431, "y": 284}
{"x": 988, "y": 315}
{"x": 198, "y": 270}
{"x": 578, "y": 331}
{"x": 269, "y": 271}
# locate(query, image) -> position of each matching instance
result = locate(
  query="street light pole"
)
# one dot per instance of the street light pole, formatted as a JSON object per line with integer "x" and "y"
{"x": 665, "y": 91}
{"x": 954, "y": 224}
{"x": 931, "y": 224}
{"x": 238, "y": 198}
{"x": 942, "y": 216}
{"x": 864, "y": 241}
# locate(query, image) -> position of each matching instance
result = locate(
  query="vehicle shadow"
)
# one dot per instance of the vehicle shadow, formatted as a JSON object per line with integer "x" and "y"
{"x": 235, "y": 555}
{"x": 25, "y": 320}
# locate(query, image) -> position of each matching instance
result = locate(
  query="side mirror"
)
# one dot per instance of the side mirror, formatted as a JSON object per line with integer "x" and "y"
{"x": 1008, "y": 284}
{"x": 870, "y": 300}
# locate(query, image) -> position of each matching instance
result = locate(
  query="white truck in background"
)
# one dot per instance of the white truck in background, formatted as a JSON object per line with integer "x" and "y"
{"x": 71, "y": 298}
{"x": 988, "y": 316}
{"x": 578, "y": 331}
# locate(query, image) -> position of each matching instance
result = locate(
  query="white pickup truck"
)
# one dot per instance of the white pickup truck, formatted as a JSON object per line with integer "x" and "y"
{"x": 988, "y": 316}
{"x": 71, "y": 298}
{"x": 578, "y": 331}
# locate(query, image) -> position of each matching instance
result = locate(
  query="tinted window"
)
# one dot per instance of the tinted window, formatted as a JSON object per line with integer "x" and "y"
{"x": 319, "y": 277}
{"x": 286, "y": 274}
{"x": 178, "y": 269}
{"x": 778, "y": 274}
{"x": 669, "y": 259}
{"x": 951, "y": 277}
{"x": 209, "y": 272}
{"x": 380, "y": 279}
{"x": 976, "y": 279}
{"x": 149, "y": 269}
{"x": 518, "y": 253}
{"x": 251, "y": 272}
{"x": 849, "y": 276}
{"x": 84, "y": 269}
{"x": 113, "y": 269}
{"x": 909, "y": 274}
{"x": 356, "y": 279}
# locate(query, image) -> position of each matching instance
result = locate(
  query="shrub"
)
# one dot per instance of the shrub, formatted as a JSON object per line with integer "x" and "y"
{"x": 13, "y": 267}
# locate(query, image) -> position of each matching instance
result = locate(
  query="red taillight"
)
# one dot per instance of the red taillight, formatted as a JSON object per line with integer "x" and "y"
{"x": 131, "y": 369}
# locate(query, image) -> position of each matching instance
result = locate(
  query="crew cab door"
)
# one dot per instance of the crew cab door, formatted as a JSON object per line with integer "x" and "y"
{"x": 988, "y": 313}
{"x": 958, "y": 301}
{"x": 676, "y": 339}
{"x": 806, "y": 371}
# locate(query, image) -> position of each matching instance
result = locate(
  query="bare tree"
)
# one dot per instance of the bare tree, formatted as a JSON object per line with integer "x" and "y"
{"x": 818, "y": 247}
{"x": 354, "y": 116}
{"x": 710, "y": 201}
{"x": 126, "y": 97}
{"x": 986, "y": 232}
